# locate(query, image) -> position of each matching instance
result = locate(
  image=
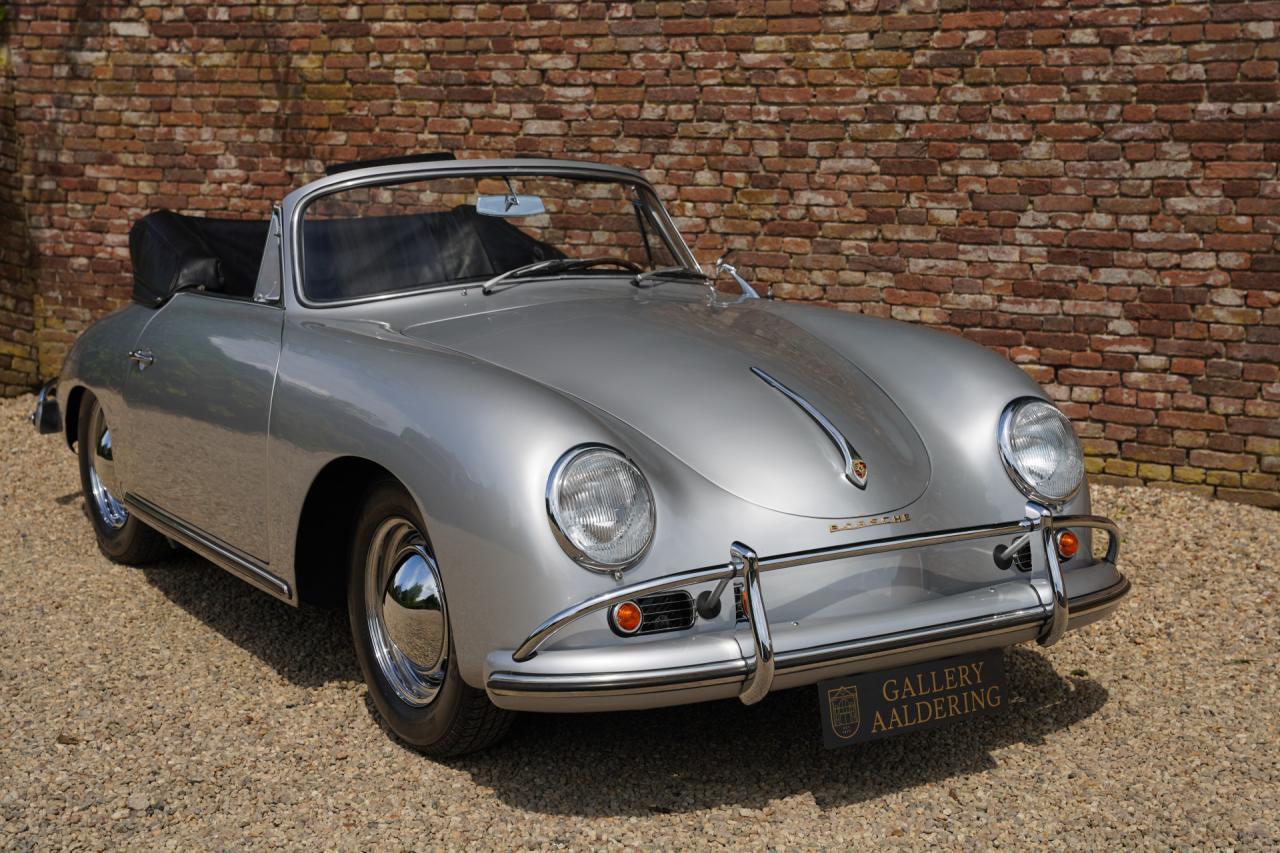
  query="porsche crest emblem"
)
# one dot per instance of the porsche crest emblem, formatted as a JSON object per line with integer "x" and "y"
{"x": 842, "y": 705}
{"x": 859, "y": 470}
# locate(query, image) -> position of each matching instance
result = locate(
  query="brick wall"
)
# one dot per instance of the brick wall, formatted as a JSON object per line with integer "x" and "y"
{"x": 17, "y": 287}
{"x": 1088, "y": 187}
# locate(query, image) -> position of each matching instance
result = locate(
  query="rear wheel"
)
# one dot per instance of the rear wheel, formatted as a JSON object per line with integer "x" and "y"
{"x": 121, "y": 536}
{"x": 400, "y": 625}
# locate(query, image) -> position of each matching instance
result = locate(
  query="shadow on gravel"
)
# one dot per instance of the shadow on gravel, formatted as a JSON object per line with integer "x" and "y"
{"x": 664, "y": 761}
{"x": 306, "y": 645}
{"x": 723, "y": 753}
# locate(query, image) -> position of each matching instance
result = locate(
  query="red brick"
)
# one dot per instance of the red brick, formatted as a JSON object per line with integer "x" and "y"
{"x": 1094, "y": 212}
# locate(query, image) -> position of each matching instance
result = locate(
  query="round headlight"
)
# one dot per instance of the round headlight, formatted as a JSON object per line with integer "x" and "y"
{"x": 601, "y": 508}
{"x": 1040, "y": 450}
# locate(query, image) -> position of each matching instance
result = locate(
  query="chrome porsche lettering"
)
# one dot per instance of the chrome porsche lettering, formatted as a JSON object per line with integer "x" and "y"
{"x": 870, "y": 522}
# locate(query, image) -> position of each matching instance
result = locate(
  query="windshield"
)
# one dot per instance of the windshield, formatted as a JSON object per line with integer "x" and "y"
{"x": 437, "y": 232}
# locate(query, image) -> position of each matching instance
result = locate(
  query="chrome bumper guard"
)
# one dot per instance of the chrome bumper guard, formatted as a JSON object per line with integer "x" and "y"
{"x": 46, "y": 418}
{"x": 745, "y": 565}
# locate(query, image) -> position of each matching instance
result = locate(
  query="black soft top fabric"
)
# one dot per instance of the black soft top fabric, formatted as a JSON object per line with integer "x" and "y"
{"x": 351, "y": 258}
{"x": 345, "y": 258}
{"x": 172, "y": 252}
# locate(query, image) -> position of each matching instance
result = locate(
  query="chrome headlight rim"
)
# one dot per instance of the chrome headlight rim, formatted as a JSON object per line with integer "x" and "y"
{"x": 554, "y": 480}
{"x": 1004, "y": 434}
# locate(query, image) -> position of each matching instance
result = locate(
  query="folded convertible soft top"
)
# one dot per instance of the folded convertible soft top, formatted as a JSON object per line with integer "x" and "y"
{"x": 172, "y": 252}
{"x": 345, "y": 258}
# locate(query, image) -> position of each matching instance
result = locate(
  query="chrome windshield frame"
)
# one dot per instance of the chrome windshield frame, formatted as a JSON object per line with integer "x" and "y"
{"x": 296, "y": 202}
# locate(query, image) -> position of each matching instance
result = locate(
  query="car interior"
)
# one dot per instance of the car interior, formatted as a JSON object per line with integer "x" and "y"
{"x": 352, "y": 258}
{"x": 342, "y": 259}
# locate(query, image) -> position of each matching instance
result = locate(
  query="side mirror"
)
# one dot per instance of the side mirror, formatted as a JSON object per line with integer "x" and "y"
{"x": 722, "y": 262}
{"x": 723, "y": 265}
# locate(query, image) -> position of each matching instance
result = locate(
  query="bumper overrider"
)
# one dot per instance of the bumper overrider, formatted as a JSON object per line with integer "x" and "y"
{"x": 46, "y": 418}
{"x": 751, "y": 676}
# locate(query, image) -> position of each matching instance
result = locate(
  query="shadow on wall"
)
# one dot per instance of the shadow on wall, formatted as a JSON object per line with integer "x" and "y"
{"x": 671, "y": 760}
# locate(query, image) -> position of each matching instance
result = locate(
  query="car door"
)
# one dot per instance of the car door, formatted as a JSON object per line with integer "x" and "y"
{"x": 198, "y": 400}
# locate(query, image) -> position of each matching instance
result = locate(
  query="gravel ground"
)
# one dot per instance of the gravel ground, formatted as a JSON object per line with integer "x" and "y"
{"x": 174, "y": 706}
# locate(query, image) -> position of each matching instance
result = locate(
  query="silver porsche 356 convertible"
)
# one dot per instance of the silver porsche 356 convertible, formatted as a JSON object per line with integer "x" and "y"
{"x": 553, "y": 465}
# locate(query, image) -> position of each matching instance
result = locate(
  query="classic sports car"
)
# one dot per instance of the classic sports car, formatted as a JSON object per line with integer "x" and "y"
{"x": 552, "y": 465}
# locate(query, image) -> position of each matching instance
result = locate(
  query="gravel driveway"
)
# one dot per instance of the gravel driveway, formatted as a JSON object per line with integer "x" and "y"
{"x": 176, "y": 706}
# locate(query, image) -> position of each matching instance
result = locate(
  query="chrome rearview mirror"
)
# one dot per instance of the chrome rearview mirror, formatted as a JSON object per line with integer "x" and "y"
{"x": 509, "y": 205}
{"x": 723, "y": 265}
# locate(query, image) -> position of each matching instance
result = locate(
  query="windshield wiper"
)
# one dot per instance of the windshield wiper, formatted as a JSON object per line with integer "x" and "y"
{"x": 553, "y": 265}
{"x": 649, "y": 279}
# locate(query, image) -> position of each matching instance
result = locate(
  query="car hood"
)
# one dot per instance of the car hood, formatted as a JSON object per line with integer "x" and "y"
{"x": 680, "y": 371}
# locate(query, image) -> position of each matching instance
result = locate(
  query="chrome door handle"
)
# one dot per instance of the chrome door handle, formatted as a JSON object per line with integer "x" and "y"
{"x": 142, "y": 357}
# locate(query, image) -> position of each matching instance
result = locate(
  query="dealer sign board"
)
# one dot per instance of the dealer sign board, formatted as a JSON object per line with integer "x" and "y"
{"x": 911, "y": 698}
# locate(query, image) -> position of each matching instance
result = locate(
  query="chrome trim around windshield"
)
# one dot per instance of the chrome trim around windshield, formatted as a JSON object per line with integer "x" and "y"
{"x": 855, "y": 469}
{"x": 295, "y": 203}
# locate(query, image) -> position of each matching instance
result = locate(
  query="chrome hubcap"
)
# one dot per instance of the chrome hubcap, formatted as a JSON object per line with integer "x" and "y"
{"x": 102, "y": 474}
{"x": 406, "y": 614}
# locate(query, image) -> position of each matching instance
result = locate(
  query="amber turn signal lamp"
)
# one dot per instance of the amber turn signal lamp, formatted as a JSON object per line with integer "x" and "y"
{"x": 1068, "y": 544}
{"x": 627, "y": 617}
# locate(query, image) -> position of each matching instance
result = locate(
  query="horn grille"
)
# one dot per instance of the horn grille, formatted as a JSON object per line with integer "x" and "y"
{"x": 665, "y": 611}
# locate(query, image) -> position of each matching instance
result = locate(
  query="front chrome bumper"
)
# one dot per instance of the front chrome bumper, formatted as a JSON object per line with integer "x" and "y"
{"x": 753, "y": 676}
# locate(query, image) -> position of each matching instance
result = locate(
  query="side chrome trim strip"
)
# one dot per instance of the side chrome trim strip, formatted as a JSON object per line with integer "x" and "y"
{"x": 209, "y": 547}
{"x": 737, "y": 671}
{"x": 847, "y": 453}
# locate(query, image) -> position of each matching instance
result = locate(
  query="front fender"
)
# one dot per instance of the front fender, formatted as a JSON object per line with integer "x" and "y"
{"x": 473, "y": 444}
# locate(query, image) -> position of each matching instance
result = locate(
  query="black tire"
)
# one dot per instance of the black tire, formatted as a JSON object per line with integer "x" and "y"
{"x": 132, "y": 542}
{"x": 460, "y": 718}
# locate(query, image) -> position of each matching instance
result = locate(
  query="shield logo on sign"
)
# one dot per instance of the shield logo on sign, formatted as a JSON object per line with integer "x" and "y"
{"x": 843, "y": 705}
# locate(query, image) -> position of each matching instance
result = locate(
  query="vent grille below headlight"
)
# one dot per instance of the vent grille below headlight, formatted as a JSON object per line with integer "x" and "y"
{"x": 665, "y": 611}
{"x": 1022, "y": 558}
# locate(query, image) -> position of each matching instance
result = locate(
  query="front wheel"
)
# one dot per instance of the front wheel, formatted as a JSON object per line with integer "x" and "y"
{"x": 400, "y": 625}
